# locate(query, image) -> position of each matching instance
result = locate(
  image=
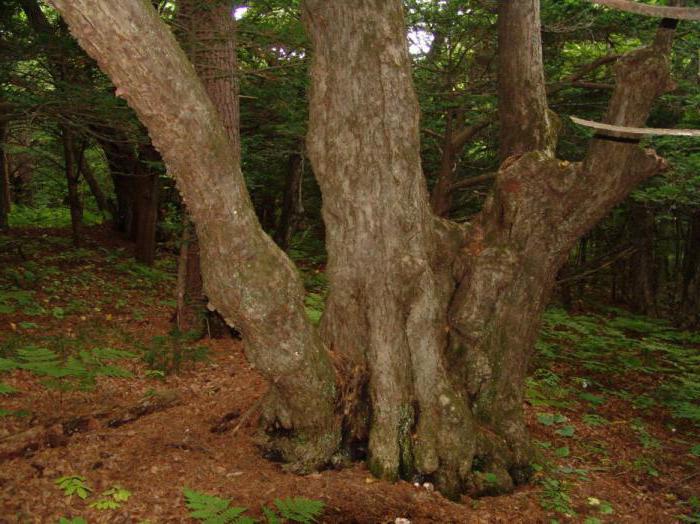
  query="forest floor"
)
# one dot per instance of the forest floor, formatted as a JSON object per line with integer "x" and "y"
{"x": 95, "y": 386}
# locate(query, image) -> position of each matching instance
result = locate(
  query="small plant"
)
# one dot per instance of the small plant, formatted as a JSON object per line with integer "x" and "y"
{"x": 112, "y": 498}
{"x": 74, "y": 520}
{"x": 166, "y": 354}
{"x": 555, "y": 497}
{"x": 549, "y": 419}
{"x": 80, "y": 371}
{"x": 215, "y": 510}
{"x": 73, "y": 485}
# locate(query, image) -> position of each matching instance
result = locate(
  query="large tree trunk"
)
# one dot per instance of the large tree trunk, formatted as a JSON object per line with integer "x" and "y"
{"x": 391, "y": 283}
{"x": 246, "y": 277}
{"x": 434, "y": 321}
{"x": 207, "y": 32}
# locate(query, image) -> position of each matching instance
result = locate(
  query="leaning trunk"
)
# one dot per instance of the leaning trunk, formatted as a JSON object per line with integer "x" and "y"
{"x": 246, "y": 277}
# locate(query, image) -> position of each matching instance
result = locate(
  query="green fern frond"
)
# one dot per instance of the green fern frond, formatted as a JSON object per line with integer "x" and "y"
{"x": 300, "y": 509}
{"x": 7, "y": 365}
{"x": 213, "y": 510}
{"x": 6, "y": 389}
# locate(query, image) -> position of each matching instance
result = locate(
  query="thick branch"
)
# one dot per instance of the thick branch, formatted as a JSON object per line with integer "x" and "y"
{"x": 636, "y": 131}
{"x": 629, "y": 6}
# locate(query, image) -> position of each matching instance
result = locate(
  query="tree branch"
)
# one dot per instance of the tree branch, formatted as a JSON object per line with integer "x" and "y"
{"x": 629, "y": 6}
{"x": 636, "y": 131}
{"x": 473, "y": 181}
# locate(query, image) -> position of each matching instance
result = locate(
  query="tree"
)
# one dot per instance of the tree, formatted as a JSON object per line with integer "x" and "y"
{"x": 430, "y": 323}
{"x": 246, "y": 277}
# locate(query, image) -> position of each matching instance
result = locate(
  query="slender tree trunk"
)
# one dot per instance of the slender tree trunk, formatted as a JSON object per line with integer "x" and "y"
{"x": 246, "y": 277}
{"x": 441, "y": 196}
{"x": 72, "y": 177}
{"x": 292, "y": 206}
{"x": 5, "y": 201}
{"x": 690, "y": 283}
{"x": 146, "y": 189}
{"x": 642, "y": 268}
{"x": 103, "y": 204}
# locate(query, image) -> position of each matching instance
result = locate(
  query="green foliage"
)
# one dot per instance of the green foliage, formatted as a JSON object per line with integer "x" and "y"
{"x": 314, "y": 307}
{"x": 73, "y": 485}
{"x": 549, "y": 419}
{"x": 167, "y": 354}
{"x": 611, "y": 348}
{"x": 300, "y": 509}
{"x": 111, "y": 498}
{"x": 78, "y": 371}
{"x": 215, "y": 510}
{"x": 59, "y": 217}
{"x": 555, "y": 496}
{"x": 74, "y": 520}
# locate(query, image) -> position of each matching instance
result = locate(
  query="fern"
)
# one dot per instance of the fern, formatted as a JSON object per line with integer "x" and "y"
{"x": 6, "y": 389}
{"x": 300, "y": 509}
{"x": 214, "y": 510}
{"x": 82, "y": 369}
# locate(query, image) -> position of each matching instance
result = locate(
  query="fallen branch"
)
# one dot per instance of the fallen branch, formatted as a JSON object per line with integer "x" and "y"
{"x": 635, "y": 132}
{"x": 629, "y": 6}
{"x": 57, "y": 433}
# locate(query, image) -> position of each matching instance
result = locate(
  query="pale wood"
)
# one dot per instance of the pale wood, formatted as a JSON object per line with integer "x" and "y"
{"x": 636, "y": 131}
{"x": 629, "y": 6}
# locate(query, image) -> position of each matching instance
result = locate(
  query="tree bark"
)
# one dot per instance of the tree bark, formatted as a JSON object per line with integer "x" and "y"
{"x": 246, "y": 277}
{"x": 690, "y": 282}
{"x": 391, "y": 285}
{"x": 72, "y": 174}
{"x": 526, "y": 122}
{"x": 103, "y": 204}
{"x": 207, "y": 32}
{"x": 5, "y": 201}
{"x": 146, "y": 186}
{"x": 292, "y": 206}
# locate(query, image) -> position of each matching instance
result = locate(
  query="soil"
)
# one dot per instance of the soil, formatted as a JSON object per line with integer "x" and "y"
{"x": 155, "y": 455}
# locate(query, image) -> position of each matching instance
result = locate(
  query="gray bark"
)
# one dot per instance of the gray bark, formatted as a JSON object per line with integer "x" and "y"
{"x": 246, "y": 277}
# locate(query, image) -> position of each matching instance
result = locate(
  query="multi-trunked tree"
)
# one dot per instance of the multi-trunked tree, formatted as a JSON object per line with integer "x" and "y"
{"x": 429, "y": 325}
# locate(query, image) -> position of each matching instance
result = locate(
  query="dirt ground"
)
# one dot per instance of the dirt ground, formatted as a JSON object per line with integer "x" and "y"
{"x": 158, "y": 454}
